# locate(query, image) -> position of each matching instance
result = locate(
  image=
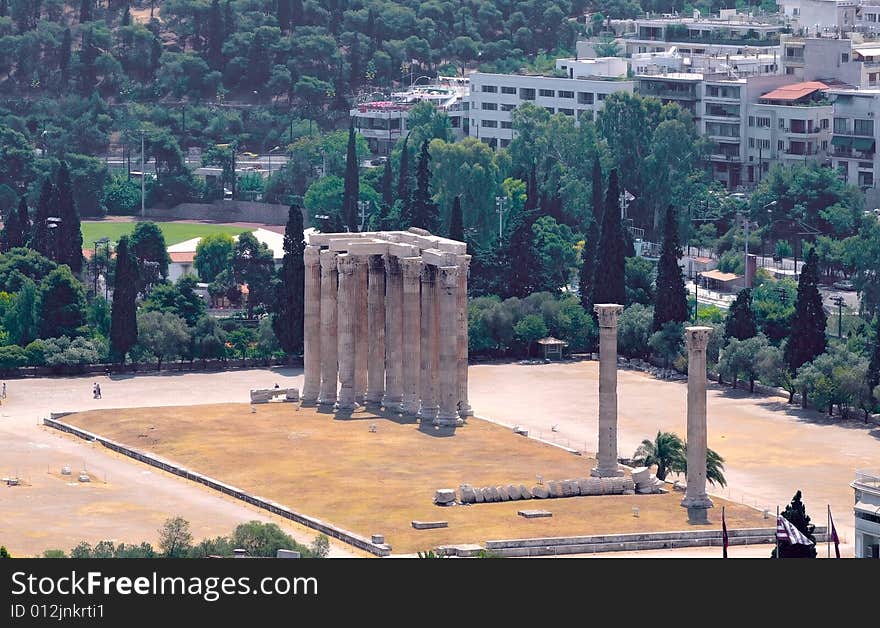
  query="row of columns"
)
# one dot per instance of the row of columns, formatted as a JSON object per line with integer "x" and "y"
{"x": 389, "y": 330}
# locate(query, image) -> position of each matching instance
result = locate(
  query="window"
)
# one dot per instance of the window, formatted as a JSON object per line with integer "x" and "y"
{"x": 506, "y": 107}
{"x": 490, "y": 89}
{"x": 550, "y": 109}
{"x": 841, "y": 125}
{"x": 844, "y": 57}
{"x": 782, "y": 123}
{"x": 505, "y": 143}
{"x": 789, "y": 70}
{"x": 824, "y": 123}
{"x": 824, "y": 144}
{"x": 565, "y": 94}
{"x": 508, "y": 90}
{"x": 601, "y": 97}
{"x": 863, "y": 127}
{"x": 526, "y": 93}
{"x": 762, "y": 123}
{"x": 751, "y": 120}
{"x": 546, "y": 93}
{"x": 489, "y": 124}
{"x": 585, "y": 98}
{"x": 764, "y": 144}
{"x": 506, "y": 124}
{"x": 780, "y": 145}
{"x": 751, "y": 142}
{"x": 866, "y": 164}
{"x": 866, "y": 179}
{"x": 490, "y": 106}
{"x": 568, "y": 112}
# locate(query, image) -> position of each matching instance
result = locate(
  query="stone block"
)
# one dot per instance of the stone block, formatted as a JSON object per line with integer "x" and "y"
{"x": 429, "y": 525}
{"x": 490, "y": 494}
{"x": 444, "y": 497}
{"x": 524, "y": 492}
{"x": 555, "y": 489}
{"x": 292, "y": 394}
{"x": 466, "y": 494}
{"x": 540, "y": 492}
{"x": 378, "y": 539}
{"x": 502, "y": 493}
{"x": 534, "y": 514}
{"x": 478, "y": 496}
{"x": 568, "y": 490}
{"x": 514, "y": 492}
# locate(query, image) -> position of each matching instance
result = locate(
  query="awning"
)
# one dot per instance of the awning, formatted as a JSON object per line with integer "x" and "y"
{"x": 717, "y": 275}
{"x": 843, "y": 142}
{"x": 863, "y": 143}
{"x": 870, "y": 509}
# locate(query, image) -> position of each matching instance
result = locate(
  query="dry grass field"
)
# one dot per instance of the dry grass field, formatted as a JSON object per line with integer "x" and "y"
{"x": 337, "y": 469}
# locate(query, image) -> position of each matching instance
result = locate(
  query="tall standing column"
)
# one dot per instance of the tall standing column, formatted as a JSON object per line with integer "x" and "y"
{"x": 376, "y": 330}
{"x": 329, "y": 364}
{"x": 607, "y": 455}
{"x": 696, "y": 501}
{"x": 312, "y": 325}
{"x": 428, "y": 351}
{"x": 464, "y": 407}
{"x": 347, "y": 316}
{"x": 447, "y": 341}
{"x": 361, "y": 334}
{"x": 393, "y": 334}
{"x": 412, "y": 270}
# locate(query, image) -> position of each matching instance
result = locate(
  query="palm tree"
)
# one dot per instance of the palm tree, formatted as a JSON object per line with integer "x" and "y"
{"x": 669, "y": 453}
{"x": 666, "y": 451}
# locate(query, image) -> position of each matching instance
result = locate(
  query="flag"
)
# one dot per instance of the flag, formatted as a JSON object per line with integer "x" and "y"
{"x": 785, "y": 531}
{"x": 834, "y": 536}
{"x": 724, "y": 541}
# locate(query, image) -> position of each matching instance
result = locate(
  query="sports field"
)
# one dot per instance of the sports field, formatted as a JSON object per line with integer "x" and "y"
{"x": 174, "y": 232}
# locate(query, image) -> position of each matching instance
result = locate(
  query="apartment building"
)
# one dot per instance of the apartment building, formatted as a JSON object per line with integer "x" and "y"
{"x": 866, "y": 491}
{"x": 854, "y": 139}
{"x": 493, "y": 97}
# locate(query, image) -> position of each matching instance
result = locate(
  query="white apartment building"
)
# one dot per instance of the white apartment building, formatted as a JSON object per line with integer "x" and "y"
{"x": 866, "y": 488}
{"x": 493, "y": 98}
{"x": 812, "y": 16}
{"x": 788, "y": 125}
{"x": 854, "y": 140}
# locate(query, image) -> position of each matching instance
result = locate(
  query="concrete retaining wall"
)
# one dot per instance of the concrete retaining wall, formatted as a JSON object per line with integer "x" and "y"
{"x": 316, "y": 524}
{"x": 224, "y": 211}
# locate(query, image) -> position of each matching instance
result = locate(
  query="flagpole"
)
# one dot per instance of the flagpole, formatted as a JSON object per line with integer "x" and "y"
{"x": 828, "y": 531}
{"x": 778, "y": 555}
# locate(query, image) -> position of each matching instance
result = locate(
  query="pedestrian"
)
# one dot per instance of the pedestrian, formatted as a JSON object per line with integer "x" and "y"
{"x": 98, "y": 390}
{"x": 276, "y": 385}
{"x": 94, "y": 390}
{"x": 3, "y": 394}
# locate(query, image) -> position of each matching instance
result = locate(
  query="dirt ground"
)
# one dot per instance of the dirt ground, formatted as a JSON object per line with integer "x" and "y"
{"x": 337, "y": 469}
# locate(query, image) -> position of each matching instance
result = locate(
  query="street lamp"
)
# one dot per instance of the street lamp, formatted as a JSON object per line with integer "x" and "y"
{"x": 362, "y": 209}
{"x": 104, "y": 240}
{"x": 500, "y": 202}
{"x": 52, "y": 223}
{"x": 839, "y": 302}
{"x": 763, "y": 248}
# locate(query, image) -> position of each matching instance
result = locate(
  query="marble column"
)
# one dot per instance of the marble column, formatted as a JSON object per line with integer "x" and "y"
{"x": 464, "y": 407}
{"x": 312, "y": 325}
{"x": 376, "y": 330}
{"x": 447, "y": 389}
{"x": 411, "y": 346}
{"x": 361, "y": 334}
{"x": 329, "y": 364}
{"x": 428, "y": 340}
{"x": 393, "y": 334}
{"x": 607, "y": 454}
{"x": 347, "y": 323}
{"x": 696, "y": 501}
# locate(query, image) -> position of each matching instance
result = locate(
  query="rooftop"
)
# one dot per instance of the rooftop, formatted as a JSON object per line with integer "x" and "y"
{"x": 794, "y": 92}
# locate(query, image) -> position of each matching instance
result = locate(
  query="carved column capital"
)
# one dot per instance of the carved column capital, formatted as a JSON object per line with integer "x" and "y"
{"x": 608, "y": 313}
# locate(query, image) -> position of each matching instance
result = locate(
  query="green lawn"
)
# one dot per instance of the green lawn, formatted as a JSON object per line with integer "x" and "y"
{"x": 174, "y": 232}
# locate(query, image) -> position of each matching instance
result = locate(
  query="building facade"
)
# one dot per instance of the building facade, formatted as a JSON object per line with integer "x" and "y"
{"x": 866, "y": 510}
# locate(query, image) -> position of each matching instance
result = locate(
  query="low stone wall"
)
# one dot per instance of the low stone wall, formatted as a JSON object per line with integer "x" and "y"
{"x": 225, "y": 211}
{"x": 316, "y": 524}
{"x": 142, "y": 367}
{"x": 551, "y": 546}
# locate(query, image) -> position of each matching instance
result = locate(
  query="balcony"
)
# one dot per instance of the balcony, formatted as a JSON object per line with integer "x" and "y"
{"x": 849, "y": 146}
{"x": 726, "y": 157}
{"x": 867, "y": 480}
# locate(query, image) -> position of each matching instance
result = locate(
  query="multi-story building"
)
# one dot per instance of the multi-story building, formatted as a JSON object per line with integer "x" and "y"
{"x": 790, "y": 124}
{"x": 383, "y": 122}
{"x": 681, "y": 88}
{"x": 493, "y": 98}
{"x": 825, "y": 15}
{"x": 866, "y": 509}
{"x": 854, "y": 139}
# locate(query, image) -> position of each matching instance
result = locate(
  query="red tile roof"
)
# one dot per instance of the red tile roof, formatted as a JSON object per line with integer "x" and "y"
{"x": 182, "y": 257}
{"x": 795, "y": 91}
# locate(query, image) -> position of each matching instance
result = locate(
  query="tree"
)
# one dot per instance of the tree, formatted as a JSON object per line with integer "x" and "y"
{"x": 456, "y": 221}
{"x": 351, "y": 192}
{"x": 18, "y": 264}
{"x": 213, "y": 255}
{"x": 163, "y": 334}
{"x": 13, "y": 234}
{"x": 671, "y": 295}
{"x": 387, "y": 188}
{"x": 320, "y": 547}
{"x": 807, "y": 339}
{"x": 42, "y": 239}
{"x": 740, "y": 322}
{"x": 175, "y": 538}
{"x": 69, "y": 230}
{"x": 287, "y": 320}
{"x": 403, "y": 184}
{"x": 62, "y": 304}
{"x": 606, "y": 47}
{"x": 253, "y": 264}
{"x": 797, "y": 515}
{"x": 216, "y": 36}
{"x": 610, "y": 283}
{"x": 744, "y": 357}
{"x": 667, "y": 342}
{"x": 179, "y": 298}
{"x": 23, "y": 319}
{"x": 529, "y": 330}
{"x": 4, "y": 553}
{"x": 424, "y": 211}
{"x": 666, "y": 451}
{"x": 148, "y": 245}
{"x": 123, "y": 316}
{"x": 208, "y": 339}
{"x": 873, "y": 379}
{"x": 639, "y": 275}
{"x": 591, "y": 241}
{"x": 264, "y": 539}
{"x": 634, "y": 330}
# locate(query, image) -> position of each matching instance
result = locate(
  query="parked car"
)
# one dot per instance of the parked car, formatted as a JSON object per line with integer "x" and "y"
{"x": 844, "y": 285}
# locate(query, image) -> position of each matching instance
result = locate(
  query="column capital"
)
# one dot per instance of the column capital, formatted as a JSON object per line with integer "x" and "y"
{"x": 377, "y": 263}
{"x": 328, "y": 260}
{"x": 448, "y": 276}
{"x": 697, "y": 338}
{"x": 392, "y": 264}
{"x": 608, "y": 313}
{"x": 464, "y": 261}
{"x": 312, "y": 254}
{"x": 412, "y": 267}
{"x": 346, "y": 263}
{"x": 429, "y": 273}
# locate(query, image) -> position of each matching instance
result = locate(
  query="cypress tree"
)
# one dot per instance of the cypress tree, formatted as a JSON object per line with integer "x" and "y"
{"x": 41, "y": 239}
{"x": 24, "y": 221}
{"x": 282, "y": 12}
{"x": 874, "y": 364}
{"x": 215, "y": 36}
{"x": 609, "y": 285}
{"x": 228, "y": 20}
{"x": 456, "y": 221}
{"x": 796, "y": 513}
{"x": 670, "y": 302}
{"x": 126, "y": 16}
{"x": 123, "y": 314}
{"x": 807, "y": 339}
{"x": 741, "y": 323}
{"x": 70, "y": 230}
{"x": 85, "y": 10}
{"x": 387, "y": 186}
{"x": 351, "y": 191}
{"x": 12, "y": 235}
{"x": 403, "y": 185}
{"x": 64, "y": 57}
{"x": 424, "y": 211}
{"x": 519, "y": 258}
{"x": 4, "y": 8}
{"x": 287, "y": 321}
{"x": 296, "y": 13}
{"x": 591, "y": 241}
